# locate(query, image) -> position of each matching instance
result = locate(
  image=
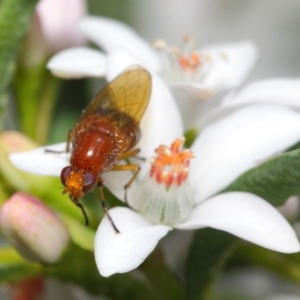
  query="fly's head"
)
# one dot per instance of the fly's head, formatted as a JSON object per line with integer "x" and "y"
{"x": 77, "y": 182}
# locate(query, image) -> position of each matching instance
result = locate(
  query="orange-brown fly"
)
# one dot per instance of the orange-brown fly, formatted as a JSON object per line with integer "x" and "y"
{"x": 106, "y": 133}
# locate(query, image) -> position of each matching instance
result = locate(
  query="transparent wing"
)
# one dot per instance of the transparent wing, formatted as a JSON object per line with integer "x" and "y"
{"x": 128, "y": 94}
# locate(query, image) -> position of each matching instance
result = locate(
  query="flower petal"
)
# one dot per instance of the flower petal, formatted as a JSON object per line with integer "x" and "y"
{"x": 283, "y": 91}
{"x": 110, "y": 34}
{"x": 227, "y": 148}
{"x": 248, "y": 217}
{"x": 120, "y": 253}
{"x": 39, "y": 162}
{"x": 120, "y": 60}
{"x": 77, "y": 63}
{"x": 162, "y": 122}
{"x": 194, "y": 102}
{"x": 231, "y": 63}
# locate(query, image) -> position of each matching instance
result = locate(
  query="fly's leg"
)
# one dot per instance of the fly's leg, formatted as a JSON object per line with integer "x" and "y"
{"x": 83, "y": 211}
{"x": 129, "y": 167}
{"x": 104, "y": 206}
{"x": 132, "y": 153}
{"x": 134, "y": 168}
{"x": 62, "y": 151}
{"x": 56, "y": 151}
{"x": 68, "y": 141}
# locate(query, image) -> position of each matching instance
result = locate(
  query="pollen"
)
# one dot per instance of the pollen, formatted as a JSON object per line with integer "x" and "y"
{"x": 171, "y": 164}
{"x": 191, "y": 62}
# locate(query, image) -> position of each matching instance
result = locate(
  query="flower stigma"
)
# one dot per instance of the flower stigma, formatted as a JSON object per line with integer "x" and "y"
{"x": 164, "y": 195}
{"x": 187, "y": 64}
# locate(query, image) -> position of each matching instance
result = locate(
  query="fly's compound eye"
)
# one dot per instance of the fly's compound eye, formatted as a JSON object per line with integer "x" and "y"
{"x": 89, "y": 182}
{"x": 64, "y": 174}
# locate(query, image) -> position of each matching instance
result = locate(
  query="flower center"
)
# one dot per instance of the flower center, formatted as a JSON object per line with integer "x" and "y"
{"x": 188, "y": 64}
{"x": 171, "y": 165}
{"x": 166, "y": 197}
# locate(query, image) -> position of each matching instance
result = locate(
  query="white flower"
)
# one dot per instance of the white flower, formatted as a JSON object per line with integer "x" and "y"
{"x": 237, "y": 137}
{"x": 193, "y": 73}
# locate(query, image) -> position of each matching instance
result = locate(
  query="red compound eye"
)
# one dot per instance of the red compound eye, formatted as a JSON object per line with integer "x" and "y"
{"x": 89, "y": 182}
{"x": 64, "y": 174}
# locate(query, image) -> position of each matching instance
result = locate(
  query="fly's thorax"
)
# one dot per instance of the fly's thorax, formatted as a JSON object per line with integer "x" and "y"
{"x": 124, "y": 128}
{"x": 127, "y": 137}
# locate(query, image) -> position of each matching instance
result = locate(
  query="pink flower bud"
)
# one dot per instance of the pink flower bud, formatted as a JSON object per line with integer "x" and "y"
{"x": 33, "y": 229}
{"x": 13, "y": 141}
{"x": 59, "y": 22}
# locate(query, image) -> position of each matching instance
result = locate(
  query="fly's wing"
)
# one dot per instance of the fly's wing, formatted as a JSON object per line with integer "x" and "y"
{"x": 128, "y": 95}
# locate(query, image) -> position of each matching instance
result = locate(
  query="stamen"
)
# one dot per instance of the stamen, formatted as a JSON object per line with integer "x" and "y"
{"x": 166, "y": 196}
{"x": 189, "y": 63}
{"x": 171, "y": 165}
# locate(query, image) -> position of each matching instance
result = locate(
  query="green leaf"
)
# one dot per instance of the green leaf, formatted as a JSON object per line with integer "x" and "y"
{"x": 209, "y": 250}
{"x": 15, "y": 18}
{"x": 274, "y": 180}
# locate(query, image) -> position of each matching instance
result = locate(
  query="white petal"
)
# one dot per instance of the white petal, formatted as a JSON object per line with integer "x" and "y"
{"x": 194, "y": 101}
{"x": 192, "y": 90}
{"x": 110, "y": 34}
{"x": 161, "y": 123}
{"x": 285, "y": 91}
{"x": 238, "y": 142}
{"x": 115, "y": 182}
{"x": 248, "y": 217}
{"x": 77, "y": 63}
{"x": 123, "y": 252}
{"x": 122, "y": 59}
{"x": 38, "y": 162}
{"x": 231, "y": 63}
